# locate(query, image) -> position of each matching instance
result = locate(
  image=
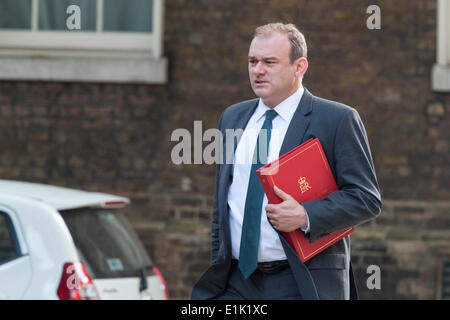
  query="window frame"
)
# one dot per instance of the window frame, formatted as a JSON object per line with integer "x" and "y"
{"x": 13, "y": 236}
{"x": 84, "y": 56}
{"x": 440, "y": 76}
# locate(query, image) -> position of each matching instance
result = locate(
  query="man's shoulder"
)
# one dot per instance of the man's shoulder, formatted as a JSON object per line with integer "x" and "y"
{"x": 240, "y": 106}
{"x": 330, "y": 106}
{"x": 233, "y": 111}
{"x": 332, "y": 113}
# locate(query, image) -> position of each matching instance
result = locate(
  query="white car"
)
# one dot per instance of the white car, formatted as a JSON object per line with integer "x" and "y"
{"x": 60, "y": 243}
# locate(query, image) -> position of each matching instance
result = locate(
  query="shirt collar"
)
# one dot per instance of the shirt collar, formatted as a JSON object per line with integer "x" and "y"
{"x": 285, "y": 109}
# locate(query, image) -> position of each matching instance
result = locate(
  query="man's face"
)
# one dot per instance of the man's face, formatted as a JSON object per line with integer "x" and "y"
{"x": 272, "y": 76}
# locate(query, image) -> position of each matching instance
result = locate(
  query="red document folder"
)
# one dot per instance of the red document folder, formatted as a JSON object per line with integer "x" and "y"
{"x": 305, "y": 174}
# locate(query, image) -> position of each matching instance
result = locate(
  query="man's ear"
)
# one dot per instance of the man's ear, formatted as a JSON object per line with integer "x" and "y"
{"x": 301, "y": 65}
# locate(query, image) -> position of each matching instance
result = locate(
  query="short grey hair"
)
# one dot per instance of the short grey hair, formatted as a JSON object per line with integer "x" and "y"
{"x": 296, "y": 38}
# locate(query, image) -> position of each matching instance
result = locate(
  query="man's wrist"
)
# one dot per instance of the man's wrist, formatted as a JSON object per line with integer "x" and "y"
{"x": 306, "y": 228}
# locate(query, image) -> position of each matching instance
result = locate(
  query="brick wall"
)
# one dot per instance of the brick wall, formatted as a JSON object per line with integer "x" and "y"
{"x": 409, "y": 242}
{"x": 116, "y": 138}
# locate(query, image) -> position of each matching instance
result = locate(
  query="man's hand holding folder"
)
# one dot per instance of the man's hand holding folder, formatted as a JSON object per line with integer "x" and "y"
{"x": 288, "y": 215}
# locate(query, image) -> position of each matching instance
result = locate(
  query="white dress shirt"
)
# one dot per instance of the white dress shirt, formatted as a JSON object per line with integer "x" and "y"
{"x": 270, "y": 248}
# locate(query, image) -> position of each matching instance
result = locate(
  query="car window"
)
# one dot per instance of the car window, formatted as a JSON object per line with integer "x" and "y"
{"x": 107, "y": 244}
{"x": 9, "y": 249}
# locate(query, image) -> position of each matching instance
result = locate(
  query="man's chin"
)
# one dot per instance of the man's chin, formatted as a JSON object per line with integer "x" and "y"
{"x": 263, "y": 93}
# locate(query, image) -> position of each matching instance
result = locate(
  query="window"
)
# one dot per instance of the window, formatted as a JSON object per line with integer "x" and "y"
{"x": 441, "y": 70}
{"x": 85, "y": 40}
{"x": 8, "y": 245}
{"x": 107, "y": 245}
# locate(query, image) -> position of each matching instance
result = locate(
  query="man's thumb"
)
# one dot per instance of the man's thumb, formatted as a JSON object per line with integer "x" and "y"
{"x": 283, "y": 195}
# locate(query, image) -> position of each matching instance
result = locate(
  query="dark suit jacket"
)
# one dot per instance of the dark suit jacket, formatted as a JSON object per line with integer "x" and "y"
{"x": 341, "y": 132}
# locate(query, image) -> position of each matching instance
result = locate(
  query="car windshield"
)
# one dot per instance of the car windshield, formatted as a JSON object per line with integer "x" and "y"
{"x": 107, "y": 245}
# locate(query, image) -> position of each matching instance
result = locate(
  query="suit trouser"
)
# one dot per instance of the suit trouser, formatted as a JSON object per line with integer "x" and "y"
{"x": 260, "y": 285}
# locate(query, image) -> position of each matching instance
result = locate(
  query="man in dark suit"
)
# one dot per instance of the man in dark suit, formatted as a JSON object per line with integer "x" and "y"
{"x": 250, "y": 259}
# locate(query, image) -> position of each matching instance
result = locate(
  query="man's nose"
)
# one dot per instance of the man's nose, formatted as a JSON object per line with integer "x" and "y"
{"x": 259, "y": 68}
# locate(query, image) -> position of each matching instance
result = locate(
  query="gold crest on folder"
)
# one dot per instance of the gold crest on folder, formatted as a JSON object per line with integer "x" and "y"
{"x": 304, "y": 185}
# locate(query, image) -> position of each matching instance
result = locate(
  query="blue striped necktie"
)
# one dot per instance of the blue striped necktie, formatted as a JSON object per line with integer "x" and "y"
{"x": 251, "y": 227}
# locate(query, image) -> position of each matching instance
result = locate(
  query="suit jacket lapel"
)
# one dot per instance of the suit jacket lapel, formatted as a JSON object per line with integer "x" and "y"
{"x": 239, "y": 122}
{"x": 243, "y": 118}
{"x": 294, "y": 137}
{"x": 299, "y": 124}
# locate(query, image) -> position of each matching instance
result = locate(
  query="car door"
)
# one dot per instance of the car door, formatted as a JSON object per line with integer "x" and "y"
{"x": 15, "y": 265}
